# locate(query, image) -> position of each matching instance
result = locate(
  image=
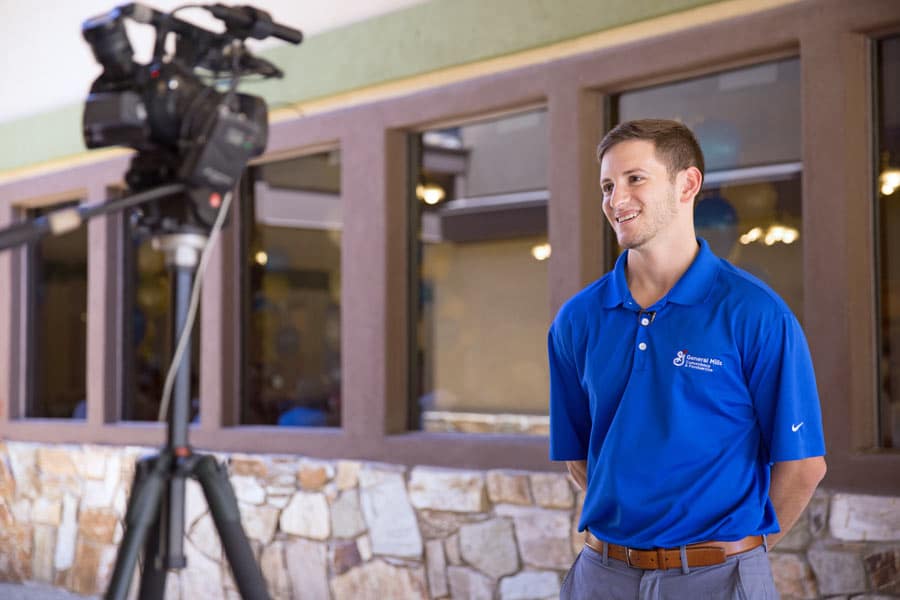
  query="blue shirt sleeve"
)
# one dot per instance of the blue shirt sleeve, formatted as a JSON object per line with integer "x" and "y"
{"x": 782, "y": 384}
{"x": 570, "y": 417}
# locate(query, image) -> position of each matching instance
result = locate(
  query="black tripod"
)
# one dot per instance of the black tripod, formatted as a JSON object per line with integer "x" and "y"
{"x": 156, "y": 523}
{"x": 150, "y": 521}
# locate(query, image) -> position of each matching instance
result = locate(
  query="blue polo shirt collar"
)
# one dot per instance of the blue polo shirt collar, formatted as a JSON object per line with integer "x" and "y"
{"x": 693, "y": 287}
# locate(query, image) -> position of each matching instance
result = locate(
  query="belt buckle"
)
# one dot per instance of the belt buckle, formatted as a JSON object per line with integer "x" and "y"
{"x": 628, "y": 556}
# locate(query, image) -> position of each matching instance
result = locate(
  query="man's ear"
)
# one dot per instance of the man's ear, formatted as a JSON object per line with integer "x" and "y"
{"x": 691, "y": 181}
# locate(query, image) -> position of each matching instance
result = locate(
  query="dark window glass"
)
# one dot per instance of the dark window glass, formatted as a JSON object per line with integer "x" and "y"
{"x": 56, "y": 304}
{"x": 149, "y": 343}
{"x": 480, "y": 278}
{"x": 292, "y": 297}
{"x": 888, "y": 246}
{"x": 748, "y": 124}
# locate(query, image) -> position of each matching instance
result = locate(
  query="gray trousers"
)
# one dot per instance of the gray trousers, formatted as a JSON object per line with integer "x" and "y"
{"x": 744, "y": 576}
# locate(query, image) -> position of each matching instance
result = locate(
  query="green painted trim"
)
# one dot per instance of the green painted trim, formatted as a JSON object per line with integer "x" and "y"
{"x": 417, "y": 40}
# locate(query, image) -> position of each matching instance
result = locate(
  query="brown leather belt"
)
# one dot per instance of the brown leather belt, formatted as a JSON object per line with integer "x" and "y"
{"x": 703, "y": 554}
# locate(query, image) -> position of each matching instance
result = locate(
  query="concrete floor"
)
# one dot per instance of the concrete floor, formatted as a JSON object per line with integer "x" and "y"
{"x": 36, "y": 591}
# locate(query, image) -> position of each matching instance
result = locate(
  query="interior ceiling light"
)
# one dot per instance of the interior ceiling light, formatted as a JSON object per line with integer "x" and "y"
{"x": 430, "y": 193}
{"x": 889, "y": 181}
{"x": 261, "y": 258}
{"x": 774, "y": 234}
{"x": 541, "y": 251}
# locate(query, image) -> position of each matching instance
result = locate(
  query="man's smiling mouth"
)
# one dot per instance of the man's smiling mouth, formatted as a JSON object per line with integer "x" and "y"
{"x": 627, "y": 217}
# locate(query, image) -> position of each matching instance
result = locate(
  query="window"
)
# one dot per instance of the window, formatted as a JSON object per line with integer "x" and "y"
{"x": 480, "y": 278}
{"x": 748, "y": 124}
{"x": 56, "y": 328}
{"x": 292, "y": 293}
{"x": 888, "y": 240}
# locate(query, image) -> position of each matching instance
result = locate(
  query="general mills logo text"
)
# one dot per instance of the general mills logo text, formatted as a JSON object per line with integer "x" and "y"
{"x": 700, "y": 363}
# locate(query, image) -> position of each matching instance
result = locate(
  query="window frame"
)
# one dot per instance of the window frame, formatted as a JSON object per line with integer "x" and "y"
{"x": 833, "y": 43}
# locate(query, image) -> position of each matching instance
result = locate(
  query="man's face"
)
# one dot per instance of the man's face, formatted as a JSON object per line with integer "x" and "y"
{"x": 639, "y": 198}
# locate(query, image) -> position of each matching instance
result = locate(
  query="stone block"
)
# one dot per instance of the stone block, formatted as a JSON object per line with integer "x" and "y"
{"x": 447, "y": 489}
{"x": 7, "y": 481}
{"x": 817, "y": 513}
{"x": 205, "y": 538}
{"x": 66, "y": 533}
{"x": 102, "y": 493}
{"x": 469, "y": 584}
{"x": 307, "y": 567}
{"x": 837, "y": 570}
{"x": 91, "y": 463}
{"x": 530, "y": 584}
{"x": 551, "y": 490}
{"x": 83, "y": 576}
{"x": 312, "y": 477}
{"x": 56, "y": 461}
{"x": 509, "y": 487}
{"x": 799, "y": 537}
{"x": 23, "y": 464}
{"x": 379, "y": 580}
{"x": 42, "y": 553}
{"x": 344, "y": 556}
{"x": 20, "y": 510}
{"x": 856, "y": 517}
{"x": 248, "y": 490}
{"x": 307, "y": 515}
{"x": 793, "y": 577}
{"x": 364, "y": 545}
{"x": 490, "y": 547}
{"x": 440, "y": 524}
{"x": 275, "y": 572}
{"x": 347, "y": 476}
{"x": 543, "y": 535}
{"x": 259, "y": 522}
{"x": 436, "y": 567}
{"x": 248, "y": 466}
{"x": 884, "y": 570}
{"x": 346, "y": 516}
{"x": 203, "y": 578}
{"x": 46, "y": 512}
{"x": 194, "y": 502}
{"x": 106, "y": 564}
{"x": 389, "y": 515}
{"x": 97, "y": 525}
{"x": 451, "y": 550}
{"x": 15, "y": 552}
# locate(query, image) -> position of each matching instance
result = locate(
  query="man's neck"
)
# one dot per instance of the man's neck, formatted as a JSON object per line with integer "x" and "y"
{"x": 654, "y": 269}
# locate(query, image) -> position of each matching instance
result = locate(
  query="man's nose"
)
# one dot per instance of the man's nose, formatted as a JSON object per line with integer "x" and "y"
{"x": 617, "y": 196}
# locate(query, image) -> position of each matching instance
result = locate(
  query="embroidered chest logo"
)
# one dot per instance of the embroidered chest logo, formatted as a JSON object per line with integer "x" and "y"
{"x": 701, "y": 363}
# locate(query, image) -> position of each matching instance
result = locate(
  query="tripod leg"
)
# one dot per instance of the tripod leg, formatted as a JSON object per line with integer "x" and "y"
{"x": 227, "y": 517}
{"x": 143, "y": 509}
{"x": 153, "y": 575}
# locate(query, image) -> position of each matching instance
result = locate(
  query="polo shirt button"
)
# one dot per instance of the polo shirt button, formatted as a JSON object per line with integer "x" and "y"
{"x": 642, "y": 346}
{"x": 645, "y": 321}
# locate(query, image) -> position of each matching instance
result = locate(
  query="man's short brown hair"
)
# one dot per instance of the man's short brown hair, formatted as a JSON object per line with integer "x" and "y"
{"x": 675, "y": 145}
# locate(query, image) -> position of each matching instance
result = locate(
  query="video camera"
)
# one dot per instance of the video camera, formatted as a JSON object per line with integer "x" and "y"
{"x": 173, "y": 110}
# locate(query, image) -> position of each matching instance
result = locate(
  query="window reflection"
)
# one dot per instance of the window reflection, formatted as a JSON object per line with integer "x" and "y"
{"x": 56, "y": 328}
{"x": 747, "y": 122}
{"x": 887, "y": 189}
{"x": 292, "y": 341}
{"x": 482, "y": 314}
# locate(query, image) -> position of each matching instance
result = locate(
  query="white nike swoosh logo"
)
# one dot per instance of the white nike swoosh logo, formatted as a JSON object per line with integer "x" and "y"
{"x": 796, "y": 428}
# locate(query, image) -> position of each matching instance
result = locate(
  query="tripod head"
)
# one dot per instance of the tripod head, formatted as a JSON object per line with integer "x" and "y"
{"x": 181, "y": 111}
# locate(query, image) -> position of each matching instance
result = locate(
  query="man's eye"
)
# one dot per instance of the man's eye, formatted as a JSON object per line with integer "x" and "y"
{"x": 606, "y": 189}
{"x": 637, "y": 178}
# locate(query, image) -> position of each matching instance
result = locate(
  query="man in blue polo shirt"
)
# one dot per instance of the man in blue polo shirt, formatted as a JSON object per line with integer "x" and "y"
{"x": 683, "y": 397}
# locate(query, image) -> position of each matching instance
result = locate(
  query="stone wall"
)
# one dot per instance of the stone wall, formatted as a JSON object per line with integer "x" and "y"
{"x": 345, "y": 529}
